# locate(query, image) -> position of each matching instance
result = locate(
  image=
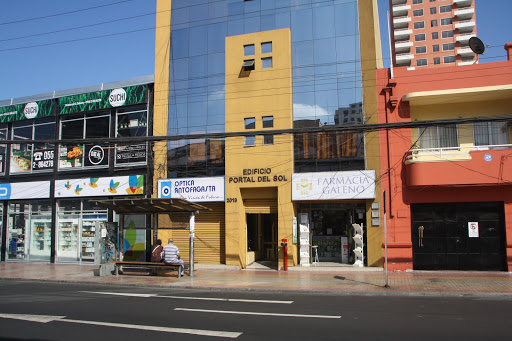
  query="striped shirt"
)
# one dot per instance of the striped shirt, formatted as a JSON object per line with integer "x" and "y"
{"x": 171, "y": 253}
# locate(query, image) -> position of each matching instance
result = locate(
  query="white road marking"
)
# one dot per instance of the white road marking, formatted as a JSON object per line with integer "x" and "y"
{"x": 257, "y": 313}
{"x": 190, "y": 298}
{"x": 48, "y": 318}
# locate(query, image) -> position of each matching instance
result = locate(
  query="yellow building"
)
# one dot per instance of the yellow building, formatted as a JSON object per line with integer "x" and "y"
{"x": 234, "y": 79}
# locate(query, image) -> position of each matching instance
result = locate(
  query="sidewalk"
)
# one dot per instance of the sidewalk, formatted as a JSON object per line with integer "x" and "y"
{"x": 332, "y": 280}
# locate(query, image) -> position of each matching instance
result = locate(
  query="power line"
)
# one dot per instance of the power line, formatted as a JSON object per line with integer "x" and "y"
{"x": 62, "y": 13}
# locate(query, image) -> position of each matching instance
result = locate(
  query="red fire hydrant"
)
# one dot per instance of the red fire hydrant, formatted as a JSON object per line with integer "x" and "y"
{"x": 284, "y": 244}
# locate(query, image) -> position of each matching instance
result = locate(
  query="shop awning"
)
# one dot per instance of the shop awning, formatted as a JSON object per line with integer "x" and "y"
{"x": 150, "y": 205}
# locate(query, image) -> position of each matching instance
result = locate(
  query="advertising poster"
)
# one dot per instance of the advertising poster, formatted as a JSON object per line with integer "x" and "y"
{"x": 333, "y": 185}
{"x": 43, "y": 159}
{"x": 25, "y": 190}
{"x": 98, "y": 187}
{"x": 95, "y": 156}
{"x": 131, "y": 154}
{"x": 28, "y": 111}
{"x": 103, "y": 99}
{"x": 71, "y": 156}
{"x": 193, "y": 189}
{"x": 21, "y": 161}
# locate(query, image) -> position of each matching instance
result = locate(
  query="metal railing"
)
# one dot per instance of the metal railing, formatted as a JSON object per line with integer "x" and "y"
{"x": 450, "y": 152}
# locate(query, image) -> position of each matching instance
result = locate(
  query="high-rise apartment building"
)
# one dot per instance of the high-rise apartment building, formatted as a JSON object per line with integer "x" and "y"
{"x": 432, "y": 33}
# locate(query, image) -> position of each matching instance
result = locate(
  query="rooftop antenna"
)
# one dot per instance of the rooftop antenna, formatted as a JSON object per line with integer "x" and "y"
{"x": 477, "y": 46}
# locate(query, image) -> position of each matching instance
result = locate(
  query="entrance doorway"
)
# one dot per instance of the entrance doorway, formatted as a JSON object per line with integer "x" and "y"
{"x": 262, "y": 243}
{"x": 443, "y": 236}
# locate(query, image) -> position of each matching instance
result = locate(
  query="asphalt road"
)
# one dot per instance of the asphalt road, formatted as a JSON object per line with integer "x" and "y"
{"x": 54, "y": 311}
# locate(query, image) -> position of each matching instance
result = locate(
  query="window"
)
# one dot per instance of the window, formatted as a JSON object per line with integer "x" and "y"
{"x": 419, "y": 37}
{"x": 32, "y": 157}
{"x": 435, "y": 35}
{"x": 446, "y": 21}
{"x": 417, "y": 12}
{"x": 449, "y": 47}
{"x": 249, "y": 50}
{"x": 266, "y": 47}
{"x": 445, "y": 9}
{"x": 131, "y": 122}
{"x": 267, "y": 121}
{"x": 490, "y": 133}
{"x": 77, "y": 155}
{"x": 437, "y": 60}
{"x": 449, "y": 59}
{"x": 421, "y": 49}
{"x": 433, "y": 23}
{"x": 422, "y": 62}
{"x": 415, "y": 2}
{"x": 438, "y": 137}
{"x": 435, "y": 48}
{"x": 447, "y": 34}
{"x": 266, "y": 63}
{"x": 419, "y": 24}
{"x": 268, "y": 139}
{"x": 248, "y": 65}
{"x": 433, "y": 0}
{"x": 3, "y": 150}
{"x": 250, "y": 141}
{"x": 433, "y": 10}
{"x": 250, "y": 123}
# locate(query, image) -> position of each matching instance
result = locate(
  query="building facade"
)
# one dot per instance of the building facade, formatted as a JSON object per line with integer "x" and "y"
{"x": 432, "y": 33}
{"x": 48, "y": 182}
{"x": 233, "y": 76}
{"x": 449, "y": 184}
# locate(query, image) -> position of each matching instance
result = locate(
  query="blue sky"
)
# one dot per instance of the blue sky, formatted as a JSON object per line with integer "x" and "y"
{"x": 40, "y": 63}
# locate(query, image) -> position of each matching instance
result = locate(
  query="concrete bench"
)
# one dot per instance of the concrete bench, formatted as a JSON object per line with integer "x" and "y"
{"x": 147, "y": 265}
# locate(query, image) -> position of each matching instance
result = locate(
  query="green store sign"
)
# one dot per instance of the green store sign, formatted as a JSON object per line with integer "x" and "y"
{"x": 106, "y": 99}
{"x": 27, "y": 111}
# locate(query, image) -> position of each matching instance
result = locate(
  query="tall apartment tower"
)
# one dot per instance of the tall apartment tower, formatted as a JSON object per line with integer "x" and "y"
{"x": 432, "y": 33}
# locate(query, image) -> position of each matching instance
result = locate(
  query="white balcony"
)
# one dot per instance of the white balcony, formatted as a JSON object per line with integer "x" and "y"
{"x": 467, "y": 62}
{"x": 401, "y": 22}
{"x": 400, "y": 10}
{"x": 465, "y": 26}
{"x": 462, "y": 3}
{"x": 465, "y": 13}
{"x": 402, "y": 34}
{"x": 465, "y": 52}
{"x": 464, "y": 38}
{"x": 404, "y": 58}
{"x": 403, "y": 46}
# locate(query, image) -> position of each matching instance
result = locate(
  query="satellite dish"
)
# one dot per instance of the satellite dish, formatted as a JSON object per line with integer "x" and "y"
{"x": 476, "y": 45}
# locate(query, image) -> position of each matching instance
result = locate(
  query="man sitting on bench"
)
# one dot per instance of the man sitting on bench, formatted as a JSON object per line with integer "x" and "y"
{"x": 172, "y": 255}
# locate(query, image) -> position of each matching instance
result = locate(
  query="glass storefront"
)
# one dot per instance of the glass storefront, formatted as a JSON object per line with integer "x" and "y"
{"x": 331, "y": 229}
{"x": 77, "y": 223}
{"x": 29, "y": 231}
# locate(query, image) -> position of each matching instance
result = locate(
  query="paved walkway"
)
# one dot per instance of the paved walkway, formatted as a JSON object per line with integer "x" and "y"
{"x": 333, "y": 280}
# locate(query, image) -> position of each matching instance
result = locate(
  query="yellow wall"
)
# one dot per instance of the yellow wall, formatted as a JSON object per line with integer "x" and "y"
{"x": 264, "y": 92}
{"x": 371, "y": 59}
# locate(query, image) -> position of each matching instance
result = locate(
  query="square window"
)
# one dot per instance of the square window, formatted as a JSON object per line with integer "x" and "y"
{"x": 445, "y": 9}
{"x": 446, "y": 21}
{"x": 419, "y": 37}
{"x": 268, "y": 121}
{"x": 449, "y": 59}
{"x": 421, "y": 49}
{"x": 447, "y": 34}
{"x": 433, "y": 23}
{"x": 249, "y": 50}
{"x": 268, "y": 139}
{"x": 419, "y": 24}
{"x": 250, "y": 141}
{"x": 250, "y": 123}
{"x": 266, "y": 47}
{"x": 437, "y": 60}
{"x": 449, "y": 47}
{"x": 266, "y": 63}
{"x": 248, "y": 64}
{"x": 435, "y": 35}
{"x": 422, "y": 62}
{"x": 433, "y": 10}
{"x": 435, "y": 48}
{"x": 415, "y": 2}
{"x": 417, "y": 12}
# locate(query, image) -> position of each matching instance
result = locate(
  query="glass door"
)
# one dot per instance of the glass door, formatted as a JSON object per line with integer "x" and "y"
{"x": 40, "y": 237}
{"x": 16, "y": 231}
{"x": 67, "y": 238}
